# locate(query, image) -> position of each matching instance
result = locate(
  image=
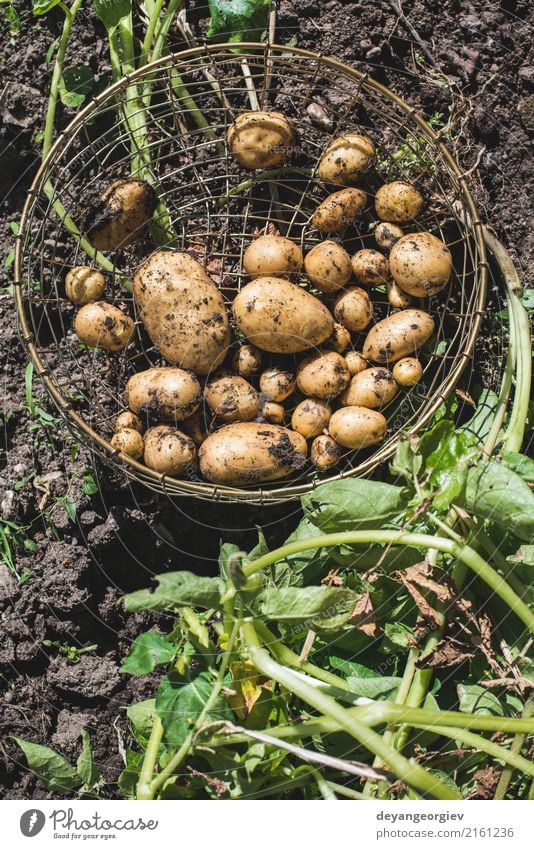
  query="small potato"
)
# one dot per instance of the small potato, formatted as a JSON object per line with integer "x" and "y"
{"x": 370, "y": 267}
{"x": 325, "y": 453}
{"x": 165, "y": 394}
{"x": 272, "y": 256}
{"x": 128, "y": 419}
{"x": 260, "y": 139}
{"x": 247, "y": 360}
{"x": 129, "y": 441}
{"x": 168, "y": 451}
{"x": 231, "y": 398}
{"x": 372, "y": 388}
{"x": 357, "y": 427}
{"x": 408, "y": 371}
{"x": 101, "y": 325}
{"x": 196, "y": 427}
{"x": 251, "y": 453}
{"x": 355, "y": 362}
{"x": 421, "y": 264}
{"x": 397, "y": 298}
{"x": 328, "y": 266}
{"x": 339, "y": 340}
{"x": 272, "y": 412}
{"x": 387, "y": 234}
{"x": 125, "y": 209}
{"x": 84, "y": 284}
{"x": 398, "y": 336}
{"x": 339, "y": 210}
{"x": 277, "y": 384}
{"x": 311, "y": 417}
{"x": 323, "y": 375}
{"x": 353, "y": 309}
{"x": 398, "y": 201}
{"x": 346, "y": 159}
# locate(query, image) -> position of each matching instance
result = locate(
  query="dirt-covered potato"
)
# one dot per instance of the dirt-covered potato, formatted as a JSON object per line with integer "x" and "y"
{"x": 251, "y": 453}
{"x": 339, "y": 340}
{"x": 127, "y": 419}
{"x": 101, "y": 325}
{"x": 370, "y": 267}
{"x": 408, "y": 371}
{"x": 398, "y": 336}
{"x": 398, "y": 299}
{"x": 357, "y": 427}
{"x": 196, "y": 427}
{"x": 260, "y": 139}
{"x": 328, "y": 266}
{"x": 163, "y": 394}
{"x": 278, "y": 316}
{"x": 353, "y": 309}
{"x": 125, "y": 208}
{"x": 168, "y": 451}
{"x": 387, "y": 234}
{"x": 272, "y": 256}
{"x": 372, "y": 388}
{"x": 272, "y": 412}
{"x": 339, "y": 210}
{"x": 231, "y": 398}
{"x": 277, "y": 384}
{"x": 323, "y": 375}
{"x": 182, "y": 310}
{"x": 129, "y": 441}
{"x": 247, "y": 360}
{"x": 84, "y": 284}
{"x": 421, "y": 264}
{"x": 355, "y": 362}
{"x": 346, "y": 159}
{"x": 311, "y": 417}
{"x": 398, "y": 202}
{"x": 325, "y": 453}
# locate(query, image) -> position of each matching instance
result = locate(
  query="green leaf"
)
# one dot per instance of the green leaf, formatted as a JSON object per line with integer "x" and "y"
{"x": 238, "y": 20}
{"x": 355, "y": 504}
{"x": 373, "y": 688}
{"x": 476, "y": 699}
{"x": 397, "y": 635}
{"x": 42, "y": 7}
{"x": 176, "y": 589}
{"x": 148, "y": 651}
{"x": 129, "y": 777}
{"x": 86, "y": 767}
{"x": 305, "y": 566}
{"x": 317, "y": 608}
{"x": 180, "y": 701}
{"x": 110, "y": 12}
{"x": 520, "y": 464}
{"x": 90, "y": 485}
{"x": 75, "y": 84}
{"x": 52, "y": 769}
{"x": 479, "y": 425}
{"x": 141, "y": 716}
{"x": 494, "y": 492}
{"x": 226, "y": 551}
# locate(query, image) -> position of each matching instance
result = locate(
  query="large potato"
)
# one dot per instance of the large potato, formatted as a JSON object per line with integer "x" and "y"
{"x": 183, "y": 312}
{"x": 398, "y": 201}
{"x": 124, "y": 211}
{"x": 328, "y": 266}
{"x": 167, "y": 394}
{"x": 101, "y": 325}
{"x": 168, "y": 451}
{"x": 277, "y": 316}
{"x": 372, "y": 388}
{"x": 421, "y": 264}
{"x": 357, "y": 427}
{"x": 339, "y": 210}
{"x": 272, "y": 256}
{"x": 398, "y": 336}
{"x": 353, "y": 309}
{"x": 323, "y": 375}
{"x": 260, "y": 139}
{"x": 346, "y": 159}
{"x": 251, "y": 453}
{"x": 231, "y": 398}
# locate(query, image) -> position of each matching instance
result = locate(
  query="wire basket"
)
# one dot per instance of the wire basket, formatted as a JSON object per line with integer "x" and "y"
{"x": 214, "y": 208}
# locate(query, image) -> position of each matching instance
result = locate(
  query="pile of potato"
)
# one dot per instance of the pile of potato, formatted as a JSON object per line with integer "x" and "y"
{"x": 250, "y": 411}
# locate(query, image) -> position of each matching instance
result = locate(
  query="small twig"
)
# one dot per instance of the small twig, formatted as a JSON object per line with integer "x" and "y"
{"x": 397, "y": 8}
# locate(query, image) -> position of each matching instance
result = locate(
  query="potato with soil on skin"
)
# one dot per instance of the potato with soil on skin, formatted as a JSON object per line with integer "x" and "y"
{"x": 372, "y": 388}
{"x": 398, "y": 202}
{"x": 272, "y": 412}
{"x": 231, "y": 398}
{"x": 370, "y": 267}
{"x": 346, "y": 159}
{"x": 129, "y": 441}
{"x": 260, "y": 139}
{"x": 354, "y": 309}
{"x": 127, "y": 419}
{"x": 247, "y": 360}
{"x": 328, "y": 266}
{"x": 396, "y": 297}
{"x": 325, "y": 453}
{"x": 251, "y": 453}
{"x": 84, "y": 284}
{"x": 398, "y": 336}
{"x": 387, "y": 234}
{"x": 164, "y": 394}
{"x": 272, "y": 256}
{"x": 339, "y": 340}
{"x": 101, "y": 325}
{"x": 357, "y": 427}
{"x": 280, "y": 317}
{"x": 408, "y": 371}
{"x": 125, "y": 208}
{"x": 421, "y": 264}
{"x": 356, "y": 362}
{"x": 182, "y": 310}
{"x": 196, "y": 427}
{"x": 339, "y": 210}
{"x": 311, "y": 417}
{"x": 168, "y": 450}
{"x": 323, "y": 375}
{"x": 277, "y": 384}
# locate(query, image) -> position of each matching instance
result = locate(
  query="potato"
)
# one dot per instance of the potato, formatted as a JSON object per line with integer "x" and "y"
{"x": 84, "y": 284}
{"x": 246, "y": 360}
{"x": 357, "y": 427}
{"x": 278, "y": 316}
{"x": 128, "y": 441}
{"x": 272, "y": 412}
{"x": 370, "y": 267}
{"x": 260, "y": 139}
{"x": 355, "y": 362}
{"x": 251, "y": 453}
{"x": 408, "y": 371}
{"x": 183, "y": 312}
{"x": 323, "y": 375}
{"x": 231, "y": 398}
{"x": 398, "y": 202}
{"x": 328, "y": 266}
{"x": 339, "y": 340}
{"x": 339, "y": 210}
{"x": 325, "y": 453}
{"x": 196, "y": 427}
{"x": 272, "y": 256}
{"x": 346, "y": 159}
{"x": 353, "y": 309}
{"x": 277, "y": 384}
{"x": 168, "y": 451}
{"x": 101, "y": 325}
{"x": 164, "y": 394}
{"x": 125, "y": 209}
{"x": 397, "y": 336}
{"x": 387, "y": 234}
{"x": 129, "y": 420}
{"x": 421, "y": 264}
{"x": 397, "y": 298}
{"x": 372, "y": 388}
{"x": 311, "y": 417}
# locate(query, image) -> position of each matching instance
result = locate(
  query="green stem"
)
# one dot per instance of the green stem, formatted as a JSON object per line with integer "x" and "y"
{"x": 151, "y": 28}
{"x": 144, "y": 791}
{"x": 57, "y": 74}
{"x": 517, "y": 745}
{"x": 261, "y": 176}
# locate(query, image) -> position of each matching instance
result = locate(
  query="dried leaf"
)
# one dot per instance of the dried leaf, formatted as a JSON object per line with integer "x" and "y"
{"x": 363, "y": 616}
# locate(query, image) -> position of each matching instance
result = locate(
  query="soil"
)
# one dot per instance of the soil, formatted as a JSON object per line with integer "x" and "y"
{"x": 91, "y": 548}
